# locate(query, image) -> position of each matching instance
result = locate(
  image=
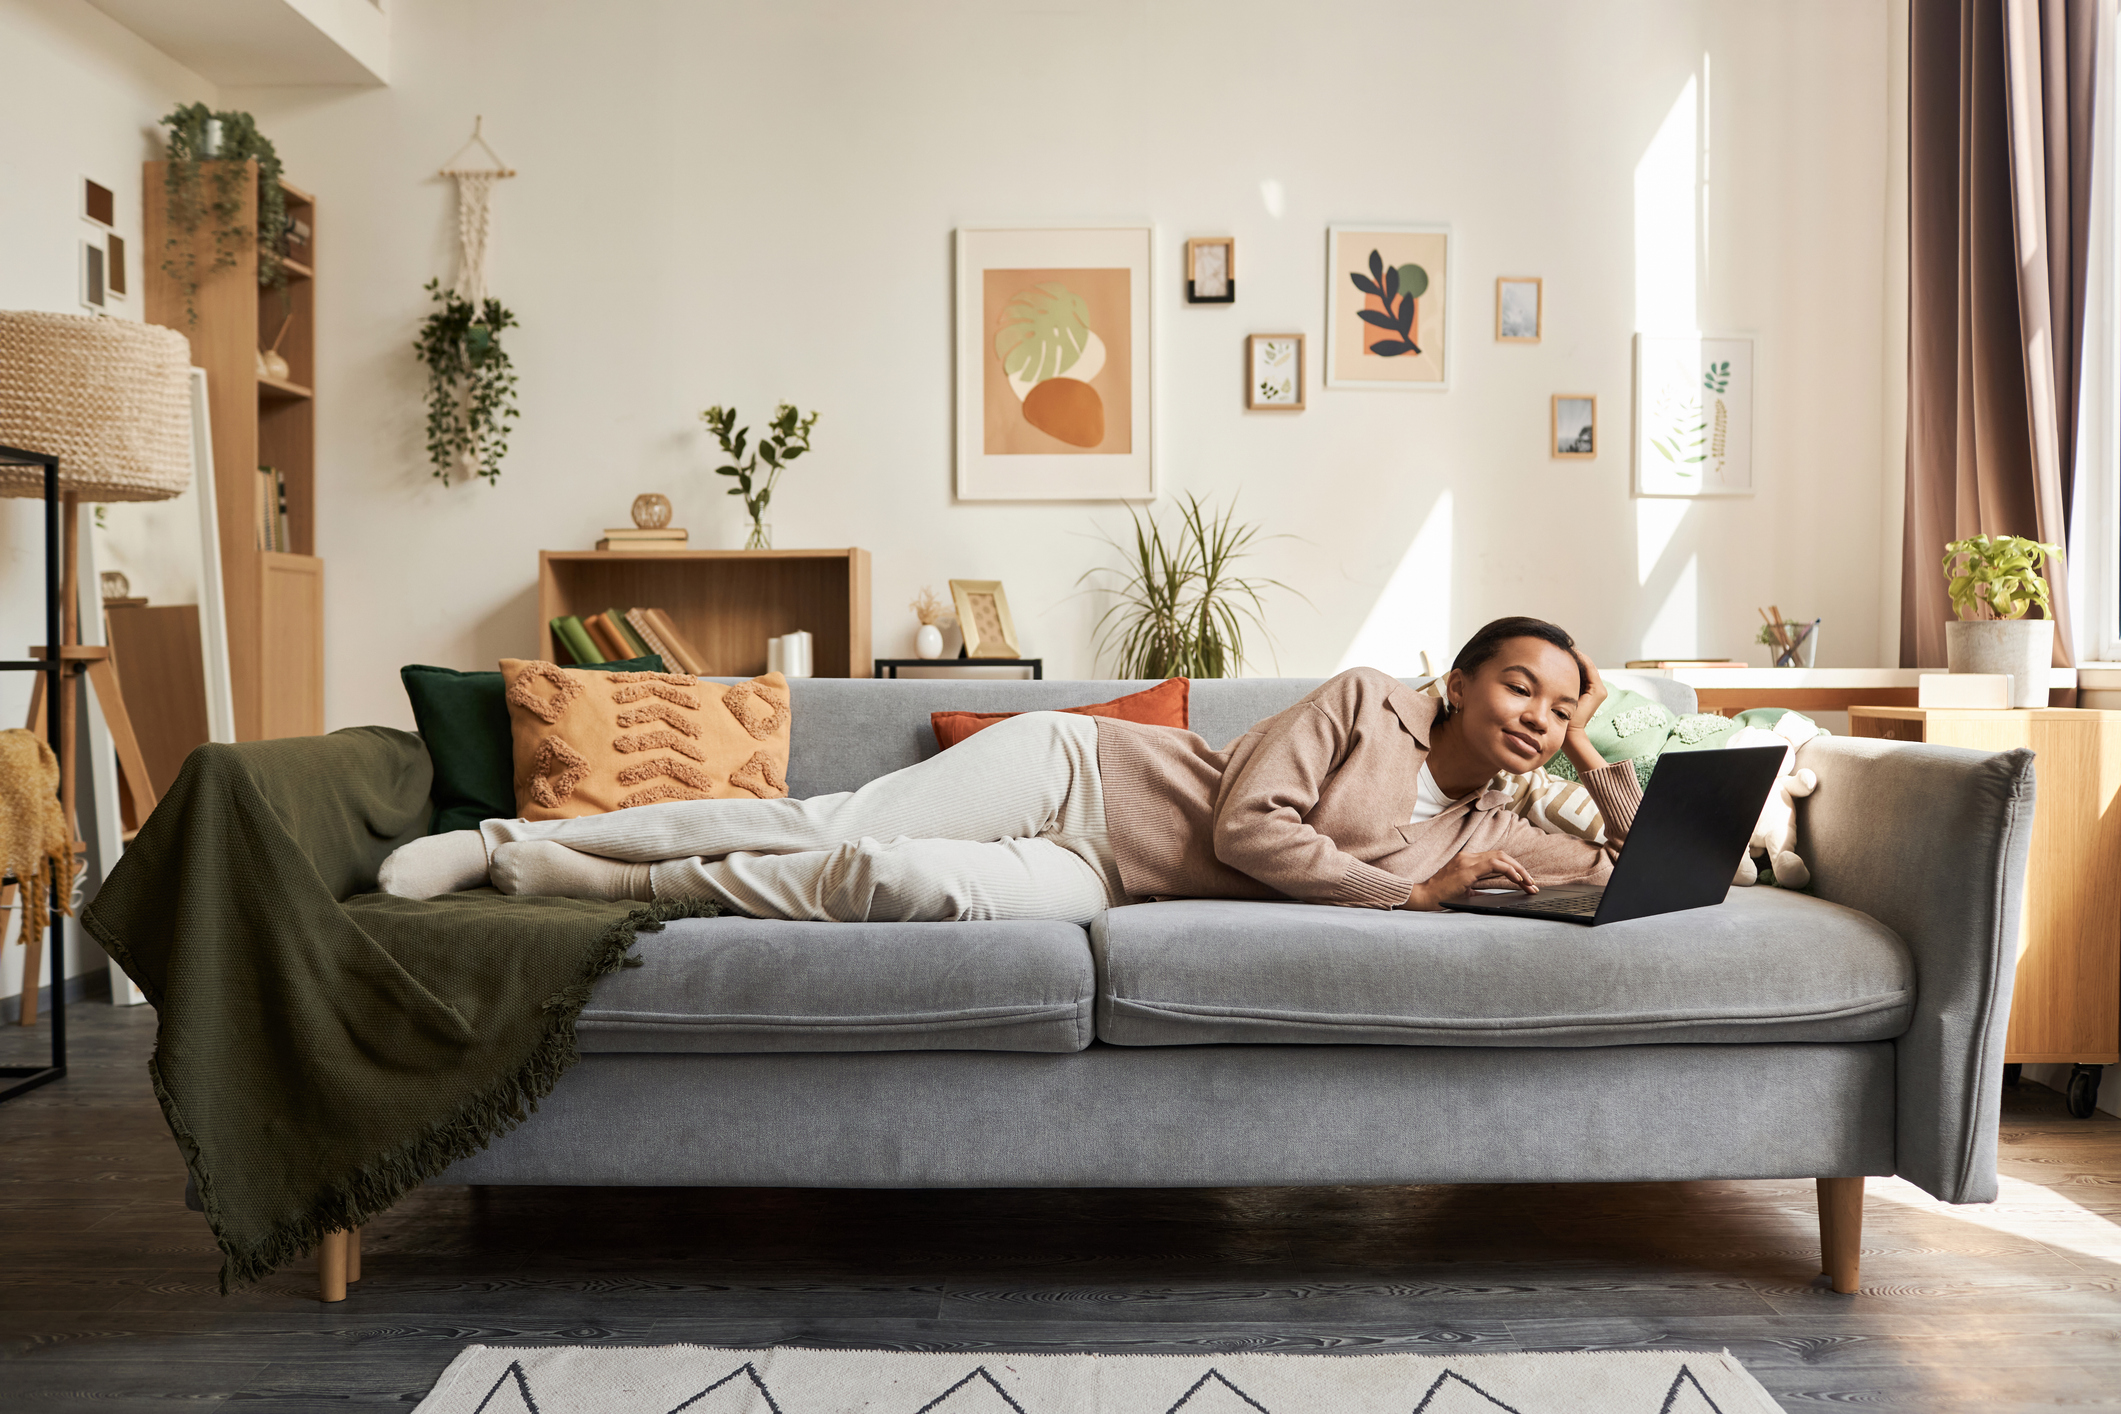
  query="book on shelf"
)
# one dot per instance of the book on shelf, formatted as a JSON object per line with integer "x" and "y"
{"x": 271, "y": 518}
{"x": 633, "y": 537}
{"x": 571, "y": 640}
{"x": 637, "y": 647}
{"x": 618, "y": 634}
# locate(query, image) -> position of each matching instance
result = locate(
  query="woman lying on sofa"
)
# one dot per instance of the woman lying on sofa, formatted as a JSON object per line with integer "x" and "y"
{"x": 1366, "y": 793}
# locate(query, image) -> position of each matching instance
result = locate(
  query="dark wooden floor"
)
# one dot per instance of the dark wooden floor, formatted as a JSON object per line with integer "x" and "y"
{"x": 107, "y": 1295}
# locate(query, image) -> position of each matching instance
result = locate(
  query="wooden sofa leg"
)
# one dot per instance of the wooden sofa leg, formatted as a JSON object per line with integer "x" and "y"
{"x": 331, "y": 1266}
{"x": 353, "y": 1256}
{"x": 1841, "y": 1230}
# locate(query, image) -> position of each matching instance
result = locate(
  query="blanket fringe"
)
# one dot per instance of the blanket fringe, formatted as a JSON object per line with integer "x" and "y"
{"x": 485, "y": 1117}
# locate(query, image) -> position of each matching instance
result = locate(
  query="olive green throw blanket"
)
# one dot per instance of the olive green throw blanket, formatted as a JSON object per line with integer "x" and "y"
{"x": 324, "y": 1048}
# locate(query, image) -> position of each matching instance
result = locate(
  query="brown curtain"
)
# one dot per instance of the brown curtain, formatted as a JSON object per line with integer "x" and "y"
{"x": 1999, "y": 209}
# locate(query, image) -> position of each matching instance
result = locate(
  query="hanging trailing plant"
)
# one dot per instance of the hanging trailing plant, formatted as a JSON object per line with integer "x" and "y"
{"x": 471, "y": 385}
{"x": 199, "y": 136}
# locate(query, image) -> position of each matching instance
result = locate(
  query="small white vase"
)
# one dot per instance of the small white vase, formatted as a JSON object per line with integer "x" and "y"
{"x": 928, "y": 643}
{"x": 2024, "y": 648}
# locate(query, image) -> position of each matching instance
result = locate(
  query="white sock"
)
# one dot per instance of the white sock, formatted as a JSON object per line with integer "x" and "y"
{"x": 548, "y": 869}
{"x": 436, "y": 864}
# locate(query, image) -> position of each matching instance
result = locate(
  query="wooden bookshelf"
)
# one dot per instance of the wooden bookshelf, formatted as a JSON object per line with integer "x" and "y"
{"x": 275, "y": 599}
{"x": 727, "y": 602}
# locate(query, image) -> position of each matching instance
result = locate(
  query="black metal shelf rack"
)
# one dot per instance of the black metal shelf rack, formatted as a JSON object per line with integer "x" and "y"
{"x": 19, "y": 1079}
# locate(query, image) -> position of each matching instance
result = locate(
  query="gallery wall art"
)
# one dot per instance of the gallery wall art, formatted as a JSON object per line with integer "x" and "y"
{"x": 1053, "y": 363}
{"x": 1693, "y": 415}
{"x": 1274, "y": 372}
{"x": 1573, "y": 428}
{"x": 1388, "y": 307}
{"x": 1520, "y": 309}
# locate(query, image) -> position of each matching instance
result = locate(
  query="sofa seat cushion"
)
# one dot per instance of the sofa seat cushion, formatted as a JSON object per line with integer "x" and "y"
{"x": 1766, "y": 965}
{"x": 744, "y": 984}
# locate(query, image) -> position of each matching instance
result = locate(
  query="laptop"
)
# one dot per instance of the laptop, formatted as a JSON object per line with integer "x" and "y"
{"x": 1692, "y": 826}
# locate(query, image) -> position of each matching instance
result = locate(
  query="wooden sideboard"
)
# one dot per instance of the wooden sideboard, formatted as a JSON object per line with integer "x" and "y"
{"x": 2067, "y": 1005}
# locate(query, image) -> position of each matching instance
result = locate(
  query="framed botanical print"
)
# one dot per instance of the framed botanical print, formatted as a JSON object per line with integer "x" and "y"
{"x": 1053, "y": 363}
{"x": 1274, "y": 372}
{"x": 1693, "y": 415}
{"x": 1388, "y": 307}
{"x": 984, "y": 619}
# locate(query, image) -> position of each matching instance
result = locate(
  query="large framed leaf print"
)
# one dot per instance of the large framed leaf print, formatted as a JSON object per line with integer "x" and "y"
{"x": 1053, "y": 364}
{"x": 1693, "y": 415}
{"x": 1388, "y": 307}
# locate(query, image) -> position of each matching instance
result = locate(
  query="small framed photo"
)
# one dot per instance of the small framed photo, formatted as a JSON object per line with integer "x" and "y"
{"x": 1274, "y": 372}
{"x": 1575, "y": 426}
{"x": 99, "y": 204}
{"x": 1520, "y": 309}
{"x": 983, "y": 617}
{"x": 95, "y": 292}
{"x": 1211, "y": 270}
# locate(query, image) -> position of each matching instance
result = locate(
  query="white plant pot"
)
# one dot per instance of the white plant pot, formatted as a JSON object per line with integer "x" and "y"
{"x": 2024, "y": 648}
{"x": 928, "y": 643}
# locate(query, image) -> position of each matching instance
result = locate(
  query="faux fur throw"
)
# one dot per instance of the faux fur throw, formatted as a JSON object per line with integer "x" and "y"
{"x": 34, "y": 849}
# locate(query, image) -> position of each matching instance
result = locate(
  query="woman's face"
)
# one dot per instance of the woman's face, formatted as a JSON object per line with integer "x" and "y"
{"x": 1514, "y": 709}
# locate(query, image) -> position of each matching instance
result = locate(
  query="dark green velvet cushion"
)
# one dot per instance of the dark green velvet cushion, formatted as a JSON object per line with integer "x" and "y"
{"x": 463, "y": 718}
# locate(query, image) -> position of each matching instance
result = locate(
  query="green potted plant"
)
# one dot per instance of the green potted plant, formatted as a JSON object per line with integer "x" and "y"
{"x": 204, "y": 181}
{"x": 787, "y": 437}
{"x": 1182, "y": 609}
{"x": 1993, "y": 580}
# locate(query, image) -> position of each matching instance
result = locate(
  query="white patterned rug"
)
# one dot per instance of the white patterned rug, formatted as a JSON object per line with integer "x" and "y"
{"x": 699, "y": 1379}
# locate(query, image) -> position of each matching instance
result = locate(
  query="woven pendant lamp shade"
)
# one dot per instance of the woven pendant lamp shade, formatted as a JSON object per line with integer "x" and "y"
{"x": 110, "y": 398}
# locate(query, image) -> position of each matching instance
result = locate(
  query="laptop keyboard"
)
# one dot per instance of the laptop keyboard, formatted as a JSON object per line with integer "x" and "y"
{"x": 1581, "y": 904}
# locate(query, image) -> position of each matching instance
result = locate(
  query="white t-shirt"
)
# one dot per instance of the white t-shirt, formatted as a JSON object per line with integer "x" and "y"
{"x": 1429, "y": 799}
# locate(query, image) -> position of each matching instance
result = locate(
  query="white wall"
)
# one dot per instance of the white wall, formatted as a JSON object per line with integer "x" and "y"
{"x": 82, "y": 99}
{"x": 747, "y": 202}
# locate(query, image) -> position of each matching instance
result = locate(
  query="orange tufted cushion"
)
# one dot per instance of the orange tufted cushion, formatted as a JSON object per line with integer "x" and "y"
{"x": 589, "y": 742}
{"x": 1163, "y": 705}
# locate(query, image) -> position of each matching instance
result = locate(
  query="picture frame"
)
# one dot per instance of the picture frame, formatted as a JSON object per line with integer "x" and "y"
{"x": 1572, "y": 433}
{"x": 95, "y": 292}
{"x": 984, "y": 619}
{"x": 1211, "y": 270}
{"x": 1275, "y": 372}
{"x": 1405, "y": 347}
{"x": 1693, "y": 423}
{"x": 1520, "y": 309}
{"x": 1055, "y": 345}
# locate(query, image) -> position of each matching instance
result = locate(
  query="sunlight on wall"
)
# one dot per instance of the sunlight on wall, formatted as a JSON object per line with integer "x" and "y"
{"x": 1676, "y": 631}
{"x": 1657, "y": 520}
{"x": 1414, "y": 611}
{"x": 1666, "y": 191}
{"x": 1273, "y": 197}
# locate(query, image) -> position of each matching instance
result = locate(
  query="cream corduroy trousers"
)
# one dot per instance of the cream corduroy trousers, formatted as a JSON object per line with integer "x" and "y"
{"x": 1009, "y": 823}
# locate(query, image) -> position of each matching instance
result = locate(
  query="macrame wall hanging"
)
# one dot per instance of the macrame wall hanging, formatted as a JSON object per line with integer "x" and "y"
{"x": 470, "y": 382}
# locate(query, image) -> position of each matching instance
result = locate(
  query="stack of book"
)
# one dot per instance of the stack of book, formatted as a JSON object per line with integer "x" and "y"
{"x": 632, "y": 537}
{"x": 271, "y": 519}
{"x": 618, "y": 634}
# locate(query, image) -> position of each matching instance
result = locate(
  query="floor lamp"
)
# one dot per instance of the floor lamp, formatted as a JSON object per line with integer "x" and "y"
{"x": 110, "y": 400}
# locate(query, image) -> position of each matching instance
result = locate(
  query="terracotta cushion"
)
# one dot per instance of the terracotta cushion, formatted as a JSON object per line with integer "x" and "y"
{"x": 1163, "y": 705}
{"x": 590, "y": 742}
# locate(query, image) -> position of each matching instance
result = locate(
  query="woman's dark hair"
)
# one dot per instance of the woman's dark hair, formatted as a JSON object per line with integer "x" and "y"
{"x": 1489, "y": 640}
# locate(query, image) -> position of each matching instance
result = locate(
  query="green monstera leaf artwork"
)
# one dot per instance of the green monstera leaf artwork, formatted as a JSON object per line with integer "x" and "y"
{"x": 1045, "y": 329}
{"x": 1050, "y": 354}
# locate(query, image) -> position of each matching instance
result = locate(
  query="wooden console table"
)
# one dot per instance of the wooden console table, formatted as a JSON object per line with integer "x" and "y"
{"x": 1730, "y": 690}
{"x": 2066, "y": 1007}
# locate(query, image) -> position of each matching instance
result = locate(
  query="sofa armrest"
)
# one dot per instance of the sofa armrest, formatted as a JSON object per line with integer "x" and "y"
{"x": 1931, "y": 841}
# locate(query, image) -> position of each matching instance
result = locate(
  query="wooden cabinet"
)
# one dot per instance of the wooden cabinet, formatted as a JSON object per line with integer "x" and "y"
{"x": 273, "y": 596}
{"x": 727, "y": 602}
{"x": 2067, "y": 1004}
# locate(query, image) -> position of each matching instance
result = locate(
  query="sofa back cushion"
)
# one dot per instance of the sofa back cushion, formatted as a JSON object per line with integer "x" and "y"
{"x": 848, "y": 731}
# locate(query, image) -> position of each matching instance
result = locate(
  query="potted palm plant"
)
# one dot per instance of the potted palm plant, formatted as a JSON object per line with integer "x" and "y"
{"x": 1993, "y": 581}
{"x": 1180, "y": 608}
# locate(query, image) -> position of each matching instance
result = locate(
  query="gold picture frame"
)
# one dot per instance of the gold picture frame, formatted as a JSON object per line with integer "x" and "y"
{"x": 1580, "y": 441}
{"x": 1208, "y": 284}
{"x": 1509, "y": 314}
{"x": 1275, "y": 373}
{"x": 983, "y": 617}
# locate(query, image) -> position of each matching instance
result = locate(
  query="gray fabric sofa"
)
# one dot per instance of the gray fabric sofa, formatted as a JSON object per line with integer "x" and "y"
{"x": 1850, "y": 1030}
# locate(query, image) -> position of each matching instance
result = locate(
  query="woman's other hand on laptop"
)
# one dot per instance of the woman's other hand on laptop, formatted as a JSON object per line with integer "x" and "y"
{"x": 1492, "y": 868}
